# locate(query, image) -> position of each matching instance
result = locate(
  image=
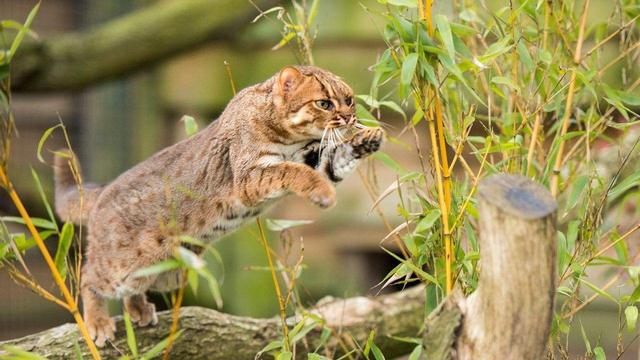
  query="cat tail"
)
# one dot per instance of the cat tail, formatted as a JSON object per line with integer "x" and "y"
{"x": 72, "y": 202}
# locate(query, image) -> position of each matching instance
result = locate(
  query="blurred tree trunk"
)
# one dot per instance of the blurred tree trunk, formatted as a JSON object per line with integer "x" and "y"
{"x": 145, "y": 36}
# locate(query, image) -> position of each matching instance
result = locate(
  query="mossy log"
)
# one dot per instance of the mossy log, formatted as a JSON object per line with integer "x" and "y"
{"x": 117, "y": 47}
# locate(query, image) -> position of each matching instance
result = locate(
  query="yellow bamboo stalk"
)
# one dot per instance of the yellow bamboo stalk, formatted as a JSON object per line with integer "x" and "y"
{"x": 175, "y": 317}
{"x": 555, "y": 178}
{"x": 439, "y": 152}
{"x": 73, "y": 307}
{"x": 538, "y": 122}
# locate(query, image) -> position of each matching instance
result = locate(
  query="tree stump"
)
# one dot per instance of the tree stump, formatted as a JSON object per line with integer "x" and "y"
{"x": 509, "y": 315}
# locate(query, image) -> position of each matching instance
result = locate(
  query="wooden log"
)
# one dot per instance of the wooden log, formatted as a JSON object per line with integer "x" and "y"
{"x": 509, "y": 315}
{"x": 211, "y": 335}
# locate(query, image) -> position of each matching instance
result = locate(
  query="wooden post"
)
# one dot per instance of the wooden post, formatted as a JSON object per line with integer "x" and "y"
{"x": 509, "y": 315}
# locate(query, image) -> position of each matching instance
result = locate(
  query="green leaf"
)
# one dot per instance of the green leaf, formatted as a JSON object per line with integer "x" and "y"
{"x": 408, "y": 68}
{"x": 313, "y": 11}
{"x": 285, "y": 355}
{"x": 190, "y": 125}
{"x": 21, "y": 354}
{"x": 190, "y": 259}
{"x": 587, "y": 344}
{"x": 270, "y": 347}
{"x": 442, "y": 23}
{"x": 622, "y": 187}
{"x": 77, "y": 352}
{"x": 214, "y": 286}
{"x": 285, "y": 40}
{"x": 314, "y": 356}
{"x": 38, "y": 222}
{"x": 501, "y": 80}
{"x": 131, "y": 335}
{"x": 388, "y": 161}
{"x": 43, "y": 196}
{"x": 23, "y": 31}
{"x": 192, "y": 279}
{"x": 64, "y": 244}
{"x": 599, "y": 353}
{"x": 377, "y": 353}
{"x": 157, "y": 268}
{"x": 407, "y": 3}
{"x": 301, "y": 330}
{"x": 599, "y": 291}
{"x": 631, "y": 314}
{"x": 415, "y": 354}
{"x": 43, "y": 139}
{"x": 428, "y": 220}
{"x": 576, "y": 190}
{"x": 525, "y": 57}
{"x": 282, "y": 224}
{"x": 496, "y": 49}
{"x": 159, "y": 347}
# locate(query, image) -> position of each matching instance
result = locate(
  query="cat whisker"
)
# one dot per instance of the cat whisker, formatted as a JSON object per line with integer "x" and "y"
{"x": 324, "y": 134}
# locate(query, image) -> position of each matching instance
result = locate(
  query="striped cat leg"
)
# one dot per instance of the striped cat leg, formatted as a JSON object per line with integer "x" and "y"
{"x": 263, "y": 183}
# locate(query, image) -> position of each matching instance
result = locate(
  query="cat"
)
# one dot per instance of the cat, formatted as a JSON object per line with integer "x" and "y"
{"x": 274, "y": 138}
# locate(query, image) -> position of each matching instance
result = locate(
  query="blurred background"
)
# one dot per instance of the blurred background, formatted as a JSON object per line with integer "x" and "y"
{"x": 118, "y": 123}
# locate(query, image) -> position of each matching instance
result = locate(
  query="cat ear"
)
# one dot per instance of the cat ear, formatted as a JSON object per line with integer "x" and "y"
{"x": 289, "y": 79}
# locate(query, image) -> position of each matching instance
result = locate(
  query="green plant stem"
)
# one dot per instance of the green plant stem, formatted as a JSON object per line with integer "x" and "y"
{"x": 276, "y": 284}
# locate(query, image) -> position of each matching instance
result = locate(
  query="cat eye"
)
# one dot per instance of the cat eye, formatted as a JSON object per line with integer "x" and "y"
{"x": 348, "y": 101}
{"x": 324, "y": 104}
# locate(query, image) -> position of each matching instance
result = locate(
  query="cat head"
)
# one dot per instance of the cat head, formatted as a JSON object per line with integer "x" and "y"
{"x": 312, "y": 103}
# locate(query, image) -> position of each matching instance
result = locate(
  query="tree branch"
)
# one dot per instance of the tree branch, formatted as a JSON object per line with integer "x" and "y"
{"x": 130, "y": 42}
{"x": 208, "y": 334}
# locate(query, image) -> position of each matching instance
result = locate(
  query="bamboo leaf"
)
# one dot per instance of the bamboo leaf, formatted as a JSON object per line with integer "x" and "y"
{"x": 190, "y": 124}
{"x": 23, "y": 31}
{"x": 158, "y": 268}
{"x": 159, "y": 347}
{"x": 408, "y": 68}
{"x": 631, "y": 315}
{"x": 428, "y": 220}
{"x": 599, "y": 353}
{"x": 599, "y": 291}
{"x": 407, "y": 3}
{"x": 38, "y": 222}
{"x": 442, "y": 23}
{"x": 64, "y": 244}
{"x": 131, "y": 335}
{"x": 415, "y": 354}
{"x": 43, "y": 139}
{"x": 282, "y": 224}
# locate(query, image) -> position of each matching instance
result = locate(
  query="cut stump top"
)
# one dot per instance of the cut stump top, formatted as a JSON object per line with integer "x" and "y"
{"x": 517, "y": 195}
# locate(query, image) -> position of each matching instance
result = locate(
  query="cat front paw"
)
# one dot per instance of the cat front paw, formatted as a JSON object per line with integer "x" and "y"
{"x": 323, "y": 195}
{"x": 366, "y": 141}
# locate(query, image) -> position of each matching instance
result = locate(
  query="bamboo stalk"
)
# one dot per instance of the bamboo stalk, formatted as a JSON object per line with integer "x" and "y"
{"x": 555, "y": 179}
{"x": 175, "y": 317}
{"x": 73, "y": 307}
{"x": 439, "y": 153}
